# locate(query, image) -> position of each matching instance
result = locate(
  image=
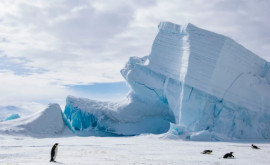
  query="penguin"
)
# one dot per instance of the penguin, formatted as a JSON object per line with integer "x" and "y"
{"x": 207, "y": 152}
{"x": 254, "y": 147}
{"x": 54, "y": 152}
{"x": 228, "y": 155}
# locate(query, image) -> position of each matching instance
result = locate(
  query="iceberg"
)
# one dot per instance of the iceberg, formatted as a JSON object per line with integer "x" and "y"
{"x": 206, "y": 83}
{"x": 48, "y": 122}
{"x": 12, "y": 117}
{"x": 7, "y": 111}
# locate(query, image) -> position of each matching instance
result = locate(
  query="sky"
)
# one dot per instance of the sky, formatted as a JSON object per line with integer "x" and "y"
{"x": 50, "y": 49}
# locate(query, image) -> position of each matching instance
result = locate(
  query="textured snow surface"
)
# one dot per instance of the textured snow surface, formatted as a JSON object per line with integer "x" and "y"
{"x": 45, "y": 123}
{"x": 147, "y": 149}
{"x": 204, "y": 82}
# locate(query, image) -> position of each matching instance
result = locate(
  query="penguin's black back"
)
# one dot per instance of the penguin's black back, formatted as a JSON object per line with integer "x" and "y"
{"x": 254, "y": 147}
{"x": 53, "y": 152}
{"x": 228, "y": 155}
{"x": 207, "y": 152}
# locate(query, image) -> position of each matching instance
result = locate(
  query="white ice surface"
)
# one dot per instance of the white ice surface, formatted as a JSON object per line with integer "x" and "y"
{"x": 146, "y": 149}
{"x": 48, "y": 122}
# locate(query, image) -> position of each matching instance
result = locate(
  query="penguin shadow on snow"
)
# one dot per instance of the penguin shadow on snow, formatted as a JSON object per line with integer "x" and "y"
{"x": 57, "y": 162}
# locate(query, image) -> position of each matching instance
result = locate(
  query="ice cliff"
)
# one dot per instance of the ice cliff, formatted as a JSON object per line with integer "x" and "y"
{"x": 204, "y": 82}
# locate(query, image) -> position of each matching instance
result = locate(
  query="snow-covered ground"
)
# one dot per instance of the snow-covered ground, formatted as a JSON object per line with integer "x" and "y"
{"x": 144, "y": 149}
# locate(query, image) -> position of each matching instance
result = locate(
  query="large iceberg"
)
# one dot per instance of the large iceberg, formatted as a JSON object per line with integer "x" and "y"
{"x": 206, "y": 83}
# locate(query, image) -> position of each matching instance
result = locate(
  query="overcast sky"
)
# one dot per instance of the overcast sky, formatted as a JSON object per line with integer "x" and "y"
{"x": 48, "y": 46}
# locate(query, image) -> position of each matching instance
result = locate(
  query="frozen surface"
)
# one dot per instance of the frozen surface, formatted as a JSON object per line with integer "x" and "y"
{"x": 48, "y": 122}
{"x": 206, "y": 83}
{"x": 147, "y": 149}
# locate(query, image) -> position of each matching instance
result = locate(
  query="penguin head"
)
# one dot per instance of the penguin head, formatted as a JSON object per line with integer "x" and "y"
{"x": 231, "y": 152}
{"x": 56, "y": 144}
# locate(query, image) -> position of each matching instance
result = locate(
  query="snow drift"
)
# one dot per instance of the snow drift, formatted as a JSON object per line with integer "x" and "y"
{"x": 209, "y": 85}
{"x": 43, "y": 123}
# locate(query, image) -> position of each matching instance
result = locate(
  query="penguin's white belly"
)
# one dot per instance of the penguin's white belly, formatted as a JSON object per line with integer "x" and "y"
{"x": 55, "y": 152}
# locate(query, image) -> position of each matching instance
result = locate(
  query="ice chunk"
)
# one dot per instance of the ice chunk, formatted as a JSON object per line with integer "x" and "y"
{"x": 177, "y": 131}
{"x": 6, "y": 111}
{"x": 12, "y": 117}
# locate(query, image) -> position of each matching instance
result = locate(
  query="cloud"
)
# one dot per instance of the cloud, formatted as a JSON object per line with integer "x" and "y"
{"x": 16, "y": 88}
{"x": 50, "y": 44}
{"x": 17, "y": 66}
{"x": 59, "y": 37}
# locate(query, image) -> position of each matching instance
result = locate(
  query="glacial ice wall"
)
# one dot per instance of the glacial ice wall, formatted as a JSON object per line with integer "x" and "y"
{"x": 201, "y": 80}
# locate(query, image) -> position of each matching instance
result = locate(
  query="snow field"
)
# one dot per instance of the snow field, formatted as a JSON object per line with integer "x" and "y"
{"x": 145, "y": 149}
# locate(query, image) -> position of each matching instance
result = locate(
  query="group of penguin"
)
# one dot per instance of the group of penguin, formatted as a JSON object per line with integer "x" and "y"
{"x": 226, "y": 156}
{"x": 230, "y": 154}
